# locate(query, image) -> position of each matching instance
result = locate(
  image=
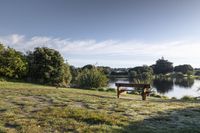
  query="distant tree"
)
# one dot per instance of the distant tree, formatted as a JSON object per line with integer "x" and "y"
{"x": 185, "y": 69}
{"x": 89, "y": 66}
{"x": 163, "y": 66}
{"x": 197, "y": 73}
{"x": 13, "y": 64}
{"x": 47, "y": 66}
{"x": 105, "y": 70}
{"x": 141, "y": 73}
{"x": 74, "y": 72}
{"x": 142, "y": 69}
{"x": 91, "y": 78}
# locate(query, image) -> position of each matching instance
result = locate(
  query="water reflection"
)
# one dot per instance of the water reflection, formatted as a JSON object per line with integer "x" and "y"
{"x": 162, "y": 85}
{"x": 184, "y": 82}
{"x": 169, "y": 87}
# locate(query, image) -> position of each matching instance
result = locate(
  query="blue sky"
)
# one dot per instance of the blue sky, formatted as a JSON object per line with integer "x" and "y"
{"x": 116, "y": 33}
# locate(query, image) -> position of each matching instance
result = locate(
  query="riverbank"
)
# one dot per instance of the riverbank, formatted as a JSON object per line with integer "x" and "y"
{"x": 36, "y": 108}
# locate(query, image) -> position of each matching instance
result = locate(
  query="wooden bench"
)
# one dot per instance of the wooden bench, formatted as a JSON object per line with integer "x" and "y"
{"x": 145, "y": 88}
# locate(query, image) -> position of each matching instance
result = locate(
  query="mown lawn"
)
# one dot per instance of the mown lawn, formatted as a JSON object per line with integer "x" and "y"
{"x": 33, "y": 108}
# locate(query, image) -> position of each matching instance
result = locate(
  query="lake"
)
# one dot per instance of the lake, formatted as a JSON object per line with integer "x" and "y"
{"x": 171, "y": 88}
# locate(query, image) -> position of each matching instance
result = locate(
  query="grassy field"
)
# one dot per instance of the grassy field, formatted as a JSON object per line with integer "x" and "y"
{"x": 32, "y": 108}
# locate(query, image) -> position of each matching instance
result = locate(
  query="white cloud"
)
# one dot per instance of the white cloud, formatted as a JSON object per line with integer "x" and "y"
{"x": 110, "y": 52}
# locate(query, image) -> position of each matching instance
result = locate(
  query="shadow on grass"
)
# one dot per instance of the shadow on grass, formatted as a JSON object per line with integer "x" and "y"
{"x": 112, "y": 97}
{"x": 185, "y": 120}
{"x": 159, "y": 100}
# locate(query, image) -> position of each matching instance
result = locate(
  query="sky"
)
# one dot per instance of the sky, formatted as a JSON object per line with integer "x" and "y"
{"x": 115, "y": 33}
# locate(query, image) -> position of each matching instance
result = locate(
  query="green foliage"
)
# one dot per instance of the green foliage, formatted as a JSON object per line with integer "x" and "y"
{"x": 141, "y": 73}
{"x": 12, "y": 63}
{"x": 89, "y": 66}
{"x": 106, "y": 89}
{"x": 197, "y": 73}
{"x": 67, "y": 77}
{"x": 142, "y": 69}
{"x": 174, "y": 98}
{"x": 188, "y": 98}
{"x": 162, "y": 66}
{"x": 91, "y": 78}
{"x": 47, "y": 66}
{"x": 74, "y": 72}
{"x": 105, "y": 70}
{"x": 178, "y": 75}
{"x": 185, "y": 69}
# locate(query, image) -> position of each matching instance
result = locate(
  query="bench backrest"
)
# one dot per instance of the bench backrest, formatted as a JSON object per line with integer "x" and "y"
{"x": 132, "y": 85}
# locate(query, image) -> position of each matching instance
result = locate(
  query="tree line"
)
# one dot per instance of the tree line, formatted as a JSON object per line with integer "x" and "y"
{"x": 161, "y": 67}
{"x": 46, "y": 66}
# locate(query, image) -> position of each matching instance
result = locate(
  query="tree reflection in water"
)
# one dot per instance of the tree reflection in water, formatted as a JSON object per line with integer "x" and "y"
{"x": 184, "y": 82}
{"x": 163, "y": 85}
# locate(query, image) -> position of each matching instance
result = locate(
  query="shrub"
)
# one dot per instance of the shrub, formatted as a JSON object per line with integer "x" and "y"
{"x": 174, "y": 98}
{"x": 156, "y": 95}
{"x": 188, "y": 98}
{"x": 91, "y": 78}
{"x": 179, "y": 75}
{"x": 164, "y": 97}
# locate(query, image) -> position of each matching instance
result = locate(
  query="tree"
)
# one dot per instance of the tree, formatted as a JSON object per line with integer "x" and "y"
{"x": 105, "y": 70}
{"x": 197, "y": 73}
{"x": 67, "y": 77}
{"x": 142, "y": 73}
{"x": 47, "y": 66}
{"x": 89, "y": 66}
{"x": 142, "y": 69}
{"x": 13, "y": 64}
{"x": 74, "y": 72}
{"x": 91, "y": 78}
{"x": 162, "y": 66}
{"x": 185, "y": 69}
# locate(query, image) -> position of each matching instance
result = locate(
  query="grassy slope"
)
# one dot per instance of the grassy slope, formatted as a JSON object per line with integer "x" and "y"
{"x": 34, "y": 108}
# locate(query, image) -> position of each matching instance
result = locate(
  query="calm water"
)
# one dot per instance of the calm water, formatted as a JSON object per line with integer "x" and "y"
{"x": 171, "y": 88}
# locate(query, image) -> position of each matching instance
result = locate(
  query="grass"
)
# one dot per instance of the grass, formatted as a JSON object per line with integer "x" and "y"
{"x": 30, "y": 108}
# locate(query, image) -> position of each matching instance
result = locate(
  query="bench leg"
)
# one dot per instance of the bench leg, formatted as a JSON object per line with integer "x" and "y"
{"x": 144, "y": 94}
{"x": 118, "y": 92}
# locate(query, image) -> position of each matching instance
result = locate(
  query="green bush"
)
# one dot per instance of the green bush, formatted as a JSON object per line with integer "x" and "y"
{"x": 155, "y": 95}
{"x": 174, "y": 98}
{"x": 188, "y": 98}
{"x": 178, "y": 75}
{"x": 91, "y": 78}
{"x": 164, "y": 97}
